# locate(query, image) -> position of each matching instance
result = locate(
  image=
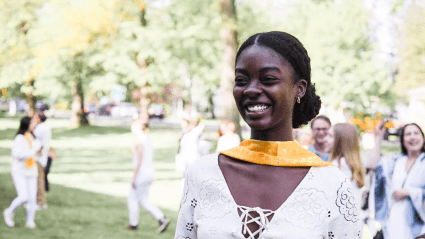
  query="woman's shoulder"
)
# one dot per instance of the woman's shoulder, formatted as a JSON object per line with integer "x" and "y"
{"x": 329, "y": 175}
{"x": 205, "y": 162}
{"x": 19, "y": 137}
{"x": 205, "y": 166}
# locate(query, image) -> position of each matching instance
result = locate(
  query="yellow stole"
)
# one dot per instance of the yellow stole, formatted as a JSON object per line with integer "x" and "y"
{"x": 284, "y": 154}
{"x": 29, "y": 162}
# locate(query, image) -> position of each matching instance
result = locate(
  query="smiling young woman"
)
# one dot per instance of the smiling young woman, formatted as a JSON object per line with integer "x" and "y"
{"x": 269, "y": 186}
{"x": 400, "y": 184}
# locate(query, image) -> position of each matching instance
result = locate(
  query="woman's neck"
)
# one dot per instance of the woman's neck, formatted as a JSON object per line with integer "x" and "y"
{"x": 412, "y": 155}
{"x": 272, "y": 135}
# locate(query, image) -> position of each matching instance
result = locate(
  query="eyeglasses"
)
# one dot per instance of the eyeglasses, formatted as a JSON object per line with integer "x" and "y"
{"x": 320, "y": 129}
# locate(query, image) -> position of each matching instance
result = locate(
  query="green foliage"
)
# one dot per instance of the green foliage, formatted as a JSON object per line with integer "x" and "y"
{"x": 344, "y": 66}
{"x": 411, "y": 71}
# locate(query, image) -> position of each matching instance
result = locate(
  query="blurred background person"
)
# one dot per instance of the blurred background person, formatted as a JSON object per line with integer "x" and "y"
{"x": 400, "y": 184}
{"x": 319, "y": 129}
{"x": 50, "y": 157}
{"x": 228, "y": 139}
{"x": 43, "y": 133}
{"x": 189, "y": 146}
{"x": 143, "y": 177}
{"x": 24, "y": 174}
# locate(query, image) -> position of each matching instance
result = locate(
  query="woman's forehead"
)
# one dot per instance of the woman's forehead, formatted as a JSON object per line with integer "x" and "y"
{"x": 411, "y": 128}
{"x": 263, "y": 53}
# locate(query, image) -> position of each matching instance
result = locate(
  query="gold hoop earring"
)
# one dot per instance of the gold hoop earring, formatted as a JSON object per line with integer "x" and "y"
{"x": 298, "y": 100}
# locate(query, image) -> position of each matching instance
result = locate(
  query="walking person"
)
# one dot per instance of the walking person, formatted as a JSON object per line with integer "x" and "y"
{"x": 43, "y": 133}
{"x": 319, "y": 129}
{"x": 400, "y": 184}
{"x": 24, "y": 174}
{"x": 143, "y": 177}
{"x": 269, "y": 186}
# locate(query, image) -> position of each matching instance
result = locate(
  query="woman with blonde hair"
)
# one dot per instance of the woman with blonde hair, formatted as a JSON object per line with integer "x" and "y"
{"x": 345, "y": 154}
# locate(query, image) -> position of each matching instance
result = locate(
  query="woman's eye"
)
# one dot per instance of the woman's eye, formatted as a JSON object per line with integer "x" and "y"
{"x": 240, "y": 80}
{"x": 269, "y": 79}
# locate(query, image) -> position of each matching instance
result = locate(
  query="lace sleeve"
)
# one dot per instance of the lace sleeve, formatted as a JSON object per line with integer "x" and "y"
{"x": 186, "y": 228}
{"x": 344, "y": 218}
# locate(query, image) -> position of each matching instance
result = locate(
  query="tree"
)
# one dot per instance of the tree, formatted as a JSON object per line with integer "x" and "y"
{"x": 16, "y": 20}
{"x": 344, "y": 64}
{"x": 229, "y": 44}
{"x": 411, "y": 69}
{"x": 77, "y": 32}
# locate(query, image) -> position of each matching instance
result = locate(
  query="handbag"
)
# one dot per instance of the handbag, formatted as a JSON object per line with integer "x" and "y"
{"x": 379, "y": 235}
{"x": 370, "y": 174}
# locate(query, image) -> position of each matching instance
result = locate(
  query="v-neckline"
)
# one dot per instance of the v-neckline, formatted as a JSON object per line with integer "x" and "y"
{"x": 233, "y": 199}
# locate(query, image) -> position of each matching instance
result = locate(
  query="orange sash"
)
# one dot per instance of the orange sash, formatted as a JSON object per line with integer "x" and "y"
{"x": 29, "y": 162}
{"x": 284, "y": 154}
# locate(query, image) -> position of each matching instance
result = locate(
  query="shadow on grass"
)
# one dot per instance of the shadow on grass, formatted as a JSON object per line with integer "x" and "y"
{"x": 8, "y": 134}
{"x": 74, "y": 213}
{"x": 87, "y": 130}
{"x": 5, "y": 151}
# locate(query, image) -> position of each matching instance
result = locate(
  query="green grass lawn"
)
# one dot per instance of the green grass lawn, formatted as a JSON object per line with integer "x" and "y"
{"x": 89, "y": 183}
{"x": 75, "y": 213}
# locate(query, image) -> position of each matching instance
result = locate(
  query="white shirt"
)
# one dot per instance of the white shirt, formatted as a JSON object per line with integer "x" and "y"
{"x": 320, "y": 207}
{"x": 20, "y": 152}
{"x": 43, "y": 133}
{"x": 146, "y": 170}
{"x": 228, "y": 141}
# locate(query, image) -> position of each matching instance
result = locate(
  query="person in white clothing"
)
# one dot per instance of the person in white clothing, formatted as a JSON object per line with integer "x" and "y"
{"x": 143, "y": 178}
{"x": 24, "y": 174}
{"x": 43, "y": 133}
{"x": 400, "y": 184}
{"x": 229, "y": 139}
{"x": 189, "y": 146}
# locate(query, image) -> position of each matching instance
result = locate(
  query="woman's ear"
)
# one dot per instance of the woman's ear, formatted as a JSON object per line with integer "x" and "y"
{"x": 301, "y": 86}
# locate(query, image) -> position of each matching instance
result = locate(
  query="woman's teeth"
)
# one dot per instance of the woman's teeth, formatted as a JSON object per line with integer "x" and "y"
{"x": 257, "y": 108}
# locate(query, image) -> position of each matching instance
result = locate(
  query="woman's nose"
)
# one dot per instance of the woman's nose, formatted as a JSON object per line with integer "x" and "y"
{"x": 253, "y": 89}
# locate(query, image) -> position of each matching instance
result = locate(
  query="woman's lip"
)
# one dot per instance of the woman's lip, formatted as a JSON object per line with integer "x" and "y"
{"x": 255, "y": 113}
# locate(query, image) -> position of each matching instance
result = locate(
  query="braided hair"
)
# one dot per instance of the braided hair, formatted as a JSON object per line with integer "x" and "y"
{"x": 291, "y": 49}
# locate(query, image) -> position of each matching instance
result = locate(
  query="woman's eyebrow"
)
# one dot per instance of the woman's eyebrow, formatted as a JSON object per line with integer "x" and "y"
{"x": 269, "y": 68}
{"x": 242, "y": 71}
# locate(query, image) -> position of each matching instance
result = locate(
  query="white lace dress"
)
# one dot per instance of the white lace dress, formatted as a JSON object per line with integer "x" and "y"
{"x": 322, "y": 206}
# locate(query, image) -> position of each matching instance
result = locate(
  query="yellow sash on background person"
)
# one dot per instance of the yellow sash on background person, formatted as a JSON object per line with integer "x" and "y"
{"x": 284, "y": 154}
{"x": 29, "y": 162}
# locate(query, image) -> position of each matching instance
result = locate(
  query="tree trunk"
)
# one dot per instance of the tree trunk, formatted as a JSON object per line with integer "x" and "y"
{"x": 211, "y": 102}
{"x": 143, "y": 64}
{"x": 78, "y": 117}
{"x": 144, "y": 101}
{"x": 30, "y": 98}
{"x": 229, "y": 42}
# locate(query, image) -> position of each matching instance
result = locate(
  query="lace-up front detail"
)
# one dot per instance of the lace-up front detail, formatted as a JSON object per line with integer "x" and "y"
{"x": 261, "y": 220}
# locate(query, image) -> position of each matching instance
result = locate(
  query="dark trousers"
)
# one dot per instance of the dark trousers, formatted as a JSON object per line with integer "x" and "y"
{"x": 46, "y": 171}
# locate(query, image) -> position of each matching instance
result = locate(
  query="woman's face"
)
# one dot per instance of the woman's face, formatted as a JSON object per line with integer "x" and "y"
{"x": 413, "y": 139}
{"x": 330, "y": 138}
{"x": 264, "y": 90}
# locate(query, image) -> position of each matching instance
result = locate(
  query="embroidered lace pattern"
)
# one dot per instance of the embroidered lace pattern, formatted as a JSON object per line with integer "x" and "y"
{"x": 261, "y": 220}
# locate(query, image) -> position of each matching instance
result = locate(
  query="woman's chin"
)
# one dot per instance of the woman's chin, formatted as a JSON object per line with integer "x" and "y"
{"x": 259, "y": 125}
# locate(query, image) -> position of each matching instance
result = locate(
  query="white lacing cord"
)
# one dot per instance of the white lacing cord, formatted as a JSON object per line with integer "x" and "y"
{"x": 261, "y": 220}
